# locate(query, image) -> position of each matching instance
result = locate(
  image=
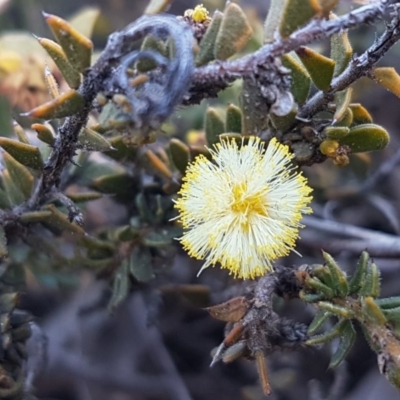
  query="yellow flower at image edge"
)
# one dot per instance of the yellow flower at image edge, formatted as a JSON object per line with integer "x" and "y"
{"x": 243, "y": 210}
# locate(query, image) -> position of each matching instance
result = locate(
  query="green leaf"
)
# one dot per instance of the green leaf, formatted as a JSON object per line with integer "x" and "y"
{"x": 121, "y": 286}
{"x": 339, "y": 277}
{"x": 118, "y": 183}
{"x": 158, "y": 238}
{"x": 19, "y": 174}
{"x": 273, "y": 20}
{"x": 234, "y": 33}
{"x": 336, "y": 132}
{"x": 371, "y": 311}
{"x": 371, "y": 285}
{"x": 26, "y": 154}
{"x": 341, "y": 51}
{"x": 319, "y": 67}
{"x": 76, "y": 46}
{"x": 339, "y": 311}
{"x": 389, "y": 302}
{"x": 83, "y": 197}
{"x": 35, "y": 216}
{"x": 58, "y": 220}
{"x": 360, "y": 114}
{"x": 301, "y": 81}
{"x": 328, "y": 336}
{"x": 151, "y": 43}
{"x": 14, "y": 194}
{"x": 140, "y": 264}
{"x": 284, "y": 123}
{"x": 179, "y": 154}
{"x": 90, "y": 140}
{"x": 347, "y": 339}
{"x": 319, "y": 287}
{"x": 296, "y": 13}
{"x": 233, "y": 119}
{"x": 64, "y": 105}
{"x": 44, "y": 133}
{"x": 342, "y": 101}
{"x": 6, "y": 127}
{"x": 356, "y": 281}
{"x": 214, "y": 126}
{"x": 319, "y": 319}
{"x": 206, "y": 47}
{"x": 70, "y": 74}
{"x": 3, "y": 245}
{"x": 367, "y": 137}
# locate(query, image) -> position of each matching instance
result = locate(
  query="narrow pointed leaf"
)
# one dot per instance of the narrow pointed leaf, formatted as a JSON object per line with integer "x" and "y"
{"x": 234, "y": 33}
{"x": 179, "y": 154}
{"x": 121, "y": 286}
{"x": 90, "y": 140}
{"x": 3, "y": 243}
{"x": 70, "y": 74}
{"x": 342, "y": 101}
{"x": 35, "y": 216}
{"x": 44, "y": 133}
{"x": 206, "y": 47}
{"x": 113, "y": 184}
{"x": 20, "y": 133}
{"x": 272, "y": 22}
{"x": 214, "y": 126}
{"x": 319, "y": 319}
{"x": 389, "y": 302}
{"x": 60, "y": 221}
{"x": 301, "y": 81}
{"x": 26, "y": 154}
{"x": 65, "y": 105}
{"x": 347, "y": 339}
{"x": 371, "y": 285}
{"x": 319, "y": 287}
{"x": 84, "y": 196}
{"x": 14, "y": 193}
{"x": 341, "y": 51}
{"x": 339, "y": 277}
{"x": 233, "y": 120}
{"x": 328, "y": 336}
{"x": 356, "y": 281}
{"x": 76, "y": 46}
{"x": 319, "y": 67}
{"x": 339, "y": 311}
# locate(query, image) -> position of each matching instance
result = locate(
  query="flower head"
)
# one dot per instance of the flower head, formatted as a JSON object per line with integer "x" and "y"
{"x": 244, "y": 209}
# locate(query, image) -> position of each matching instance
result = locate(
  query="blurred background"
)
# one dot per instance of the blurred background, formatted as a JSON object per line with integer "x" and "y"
{"x": 157, "y": 344}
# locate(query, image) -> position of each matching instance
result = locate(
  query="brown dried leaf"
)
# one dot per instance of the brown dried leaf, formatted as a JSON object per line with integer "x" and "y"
{"x": 231, "y": 311}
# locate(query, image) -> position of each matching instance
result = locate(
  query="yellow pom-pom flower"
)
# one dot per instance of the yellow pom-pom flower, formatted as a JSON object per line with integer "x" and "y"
{"x": 243, "y": 210}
